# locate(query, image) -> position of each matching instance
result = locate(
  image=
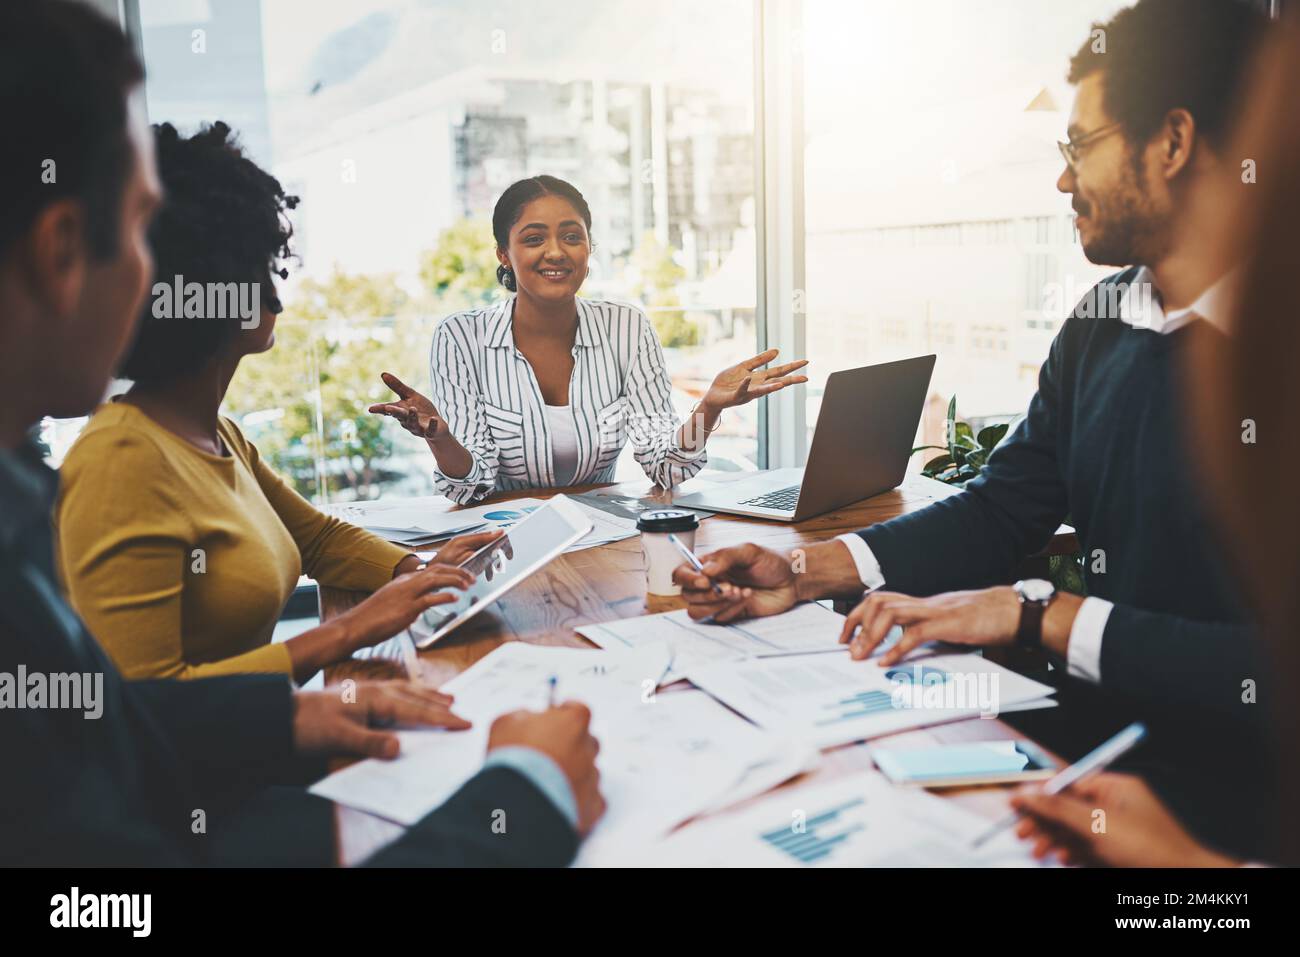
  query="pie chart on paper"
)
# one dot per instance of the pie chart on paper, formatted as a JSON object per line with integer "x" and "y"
{"x": 507, "y": 516}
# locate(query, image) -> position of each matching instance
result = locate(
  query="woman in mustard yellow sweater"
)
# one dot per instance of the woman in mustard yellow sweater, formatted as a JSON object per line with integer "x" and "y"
{"x": 177, "y": 543}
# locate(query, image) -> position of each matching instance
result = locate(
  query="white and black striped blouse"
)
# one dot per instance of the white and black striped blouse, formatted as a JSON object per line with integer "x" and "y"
{"x": 486, "y": 391}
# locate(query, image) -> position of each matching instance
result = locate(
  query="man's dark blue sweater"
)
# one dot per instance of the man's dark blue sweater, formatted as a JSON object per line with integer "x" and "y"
{"x": 1106, "y": 443}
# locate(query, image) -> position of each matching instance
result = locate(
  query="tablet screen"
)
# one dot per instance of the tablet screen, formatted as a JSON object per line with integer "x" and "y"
{"x": 525, "y": 548}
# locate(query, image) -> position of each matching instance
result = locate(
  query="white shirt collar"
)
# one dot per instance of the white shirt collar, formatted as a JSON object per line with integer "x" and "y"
{"x": 1140, "y": 306}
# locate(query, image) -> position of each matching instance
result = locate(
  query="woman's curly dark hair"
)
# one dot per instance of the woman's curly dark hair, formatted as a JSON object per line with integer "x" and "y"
{"x": 223, "y": 220}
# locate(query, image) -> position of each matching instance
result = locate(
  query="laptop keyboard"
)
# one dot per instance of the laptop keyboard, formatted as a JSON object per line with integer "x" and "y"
{"x": 782, "y": 500}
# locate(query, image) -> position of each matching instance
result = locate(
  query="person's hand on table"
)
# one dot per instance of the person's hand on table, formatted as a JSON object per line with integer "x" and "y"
{"x": 987, "y": 617}
{"x": 352, "y": 720}
{"x": 562, "y": 734}
{"x": 754, "y": 581}
{"x": 1136, "y": 830}
{"x": 399, "y": 603}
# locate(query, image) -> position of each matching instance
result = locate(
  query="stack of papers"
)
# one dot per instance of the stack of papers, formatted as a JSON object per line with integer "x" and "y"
{"x": 789, "y": 673}
{"x": 805, "y": 629}
{"x": 680, "y": 756}
{"x": 669, "y": 756}
{"x": 857, "y": 821}
{"x": 423, "y": 520}
{"x": 664, "y": 757}
{"x": 407, "y": 521}
{"x": 829, "y": 700}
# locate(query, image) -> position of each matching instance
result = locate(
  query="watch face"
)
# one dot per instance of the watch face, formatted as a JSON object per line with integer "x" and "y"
{"x": 1036, "y": 589}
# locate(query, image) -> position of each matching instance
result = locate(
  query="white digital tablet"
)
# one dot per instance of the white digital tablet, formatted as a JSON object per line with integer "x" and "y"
{"x": 526, "y": 547}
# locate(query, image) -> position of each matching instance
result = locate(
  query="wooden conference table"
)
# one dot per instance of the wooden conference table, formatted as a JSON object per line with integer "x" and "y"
{"x": 607, "y": 583}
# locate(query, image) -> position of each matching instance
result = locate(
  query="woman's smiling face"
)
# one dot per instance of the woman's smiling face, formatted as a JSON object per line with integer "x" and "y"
{"x": 549, "y": 249}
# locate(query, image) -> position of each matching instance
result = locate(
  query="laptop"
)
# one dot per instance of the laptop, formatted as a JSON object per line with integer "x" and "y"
{"x": 863, "y": 440}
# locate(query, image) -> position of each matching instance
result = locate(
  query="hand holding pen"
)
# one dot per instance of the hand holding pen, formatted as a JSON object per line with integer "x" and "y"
{"x": 755, "y": 582}
{"x": 695, "y": 562}
{"x": 1096, "y": 760}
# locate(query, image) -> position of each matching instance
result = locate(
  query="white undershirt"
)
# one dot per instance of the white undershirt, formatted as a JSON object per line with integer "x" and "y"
{"x": 564, "y": 443}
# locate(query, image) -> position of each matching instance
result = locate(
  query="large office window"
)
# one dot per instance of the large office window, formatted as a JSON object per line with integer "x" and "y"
{"x": 930, "y": 168}
{"x": 399, "y": 122}
{"x": 925, "y": 216}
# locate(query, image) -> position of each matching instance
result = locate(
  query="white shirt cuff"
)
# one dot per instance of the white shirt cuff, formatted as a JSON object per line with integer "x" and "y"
{"x": 1084, "y": 655}
{"x": 869, "y": 572}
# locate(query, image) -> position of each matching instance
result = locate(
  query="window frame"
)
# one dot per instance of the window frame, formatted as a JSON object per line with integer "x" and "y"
{"x": 779, "y": 220}
{"x": 780, "y": 293}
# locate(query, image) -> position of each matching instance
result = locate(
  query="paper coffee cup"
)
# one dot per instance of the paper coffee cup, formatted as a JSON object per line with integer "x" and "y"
{"x": 661, "y": 555}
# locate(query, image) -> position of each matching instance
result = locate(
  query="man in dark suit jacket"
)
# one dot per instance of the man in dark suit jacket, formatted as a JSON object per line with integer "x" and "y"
{"x": 163, "y": 772}
{"x": 1163, "y": 631}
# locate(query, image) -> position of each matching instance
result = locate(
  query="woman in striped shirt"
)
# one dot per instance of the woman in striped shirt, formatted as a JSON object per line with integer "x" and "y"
{"x": 544, "y": 388}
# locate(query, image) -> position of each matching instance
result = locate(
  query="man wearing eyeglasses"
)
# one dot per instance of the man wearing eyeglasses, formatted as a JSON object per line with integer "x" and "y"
{"x": 1163, "y": 634}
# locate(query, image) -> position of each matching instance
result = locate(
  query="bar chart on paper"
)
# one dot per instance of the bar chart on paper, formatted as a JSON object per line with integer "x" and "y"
{"x": 810, "y": 841}
{"x": 830, "y": 699}
{"x": 860, "y": 705}
{"x": 855, "y": 821}
{"x": 864, "y": 704}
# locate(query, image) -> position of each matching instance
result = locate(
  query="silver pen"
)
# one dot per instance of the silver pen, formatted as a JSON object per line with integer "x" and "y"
{"x": 695, "y": 562}
{"x": 1095, "y": 760}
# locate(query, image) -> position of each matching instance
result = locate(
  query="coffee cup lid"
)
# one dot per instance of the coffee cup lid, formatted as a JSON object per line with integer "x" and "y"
{"x": 667, "y": 520}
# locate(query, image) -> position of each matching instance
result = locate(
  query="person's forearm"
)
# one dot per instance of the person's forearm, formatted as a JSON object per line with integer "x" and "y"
{"x": 695, "y": 430}
{"x": 825, "y": 570}
{"x": 323, "y": 645}
{"x": 539, "y": 834}
{"x": 454, "y": 460}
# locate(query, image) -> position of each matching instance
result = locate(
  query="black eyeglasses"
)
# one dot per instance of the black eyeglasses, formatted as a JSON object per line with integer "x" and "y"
{"x": 1071, "y": 150}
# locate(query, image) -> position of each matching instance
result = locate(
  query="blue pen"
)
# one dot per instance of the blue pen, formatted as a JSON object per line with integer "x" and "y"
{"x": 550, "y": 694}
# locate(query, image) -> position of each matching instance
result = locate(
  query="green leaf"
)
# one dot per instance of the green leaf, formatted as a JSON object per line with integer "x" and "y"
{"x": 991, "y": 435}
{"x": 950, "y": 426}
{"x": 937, "y": 465}
{"x": 964, "y": 432}
{"x": 1066, "y": 573}
{"x": 922, "y": 448}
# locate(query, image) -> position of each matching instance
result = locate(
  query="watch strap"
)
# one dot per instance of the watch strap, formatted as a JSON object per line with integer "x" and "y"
{"x": 1030, "y": 632}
